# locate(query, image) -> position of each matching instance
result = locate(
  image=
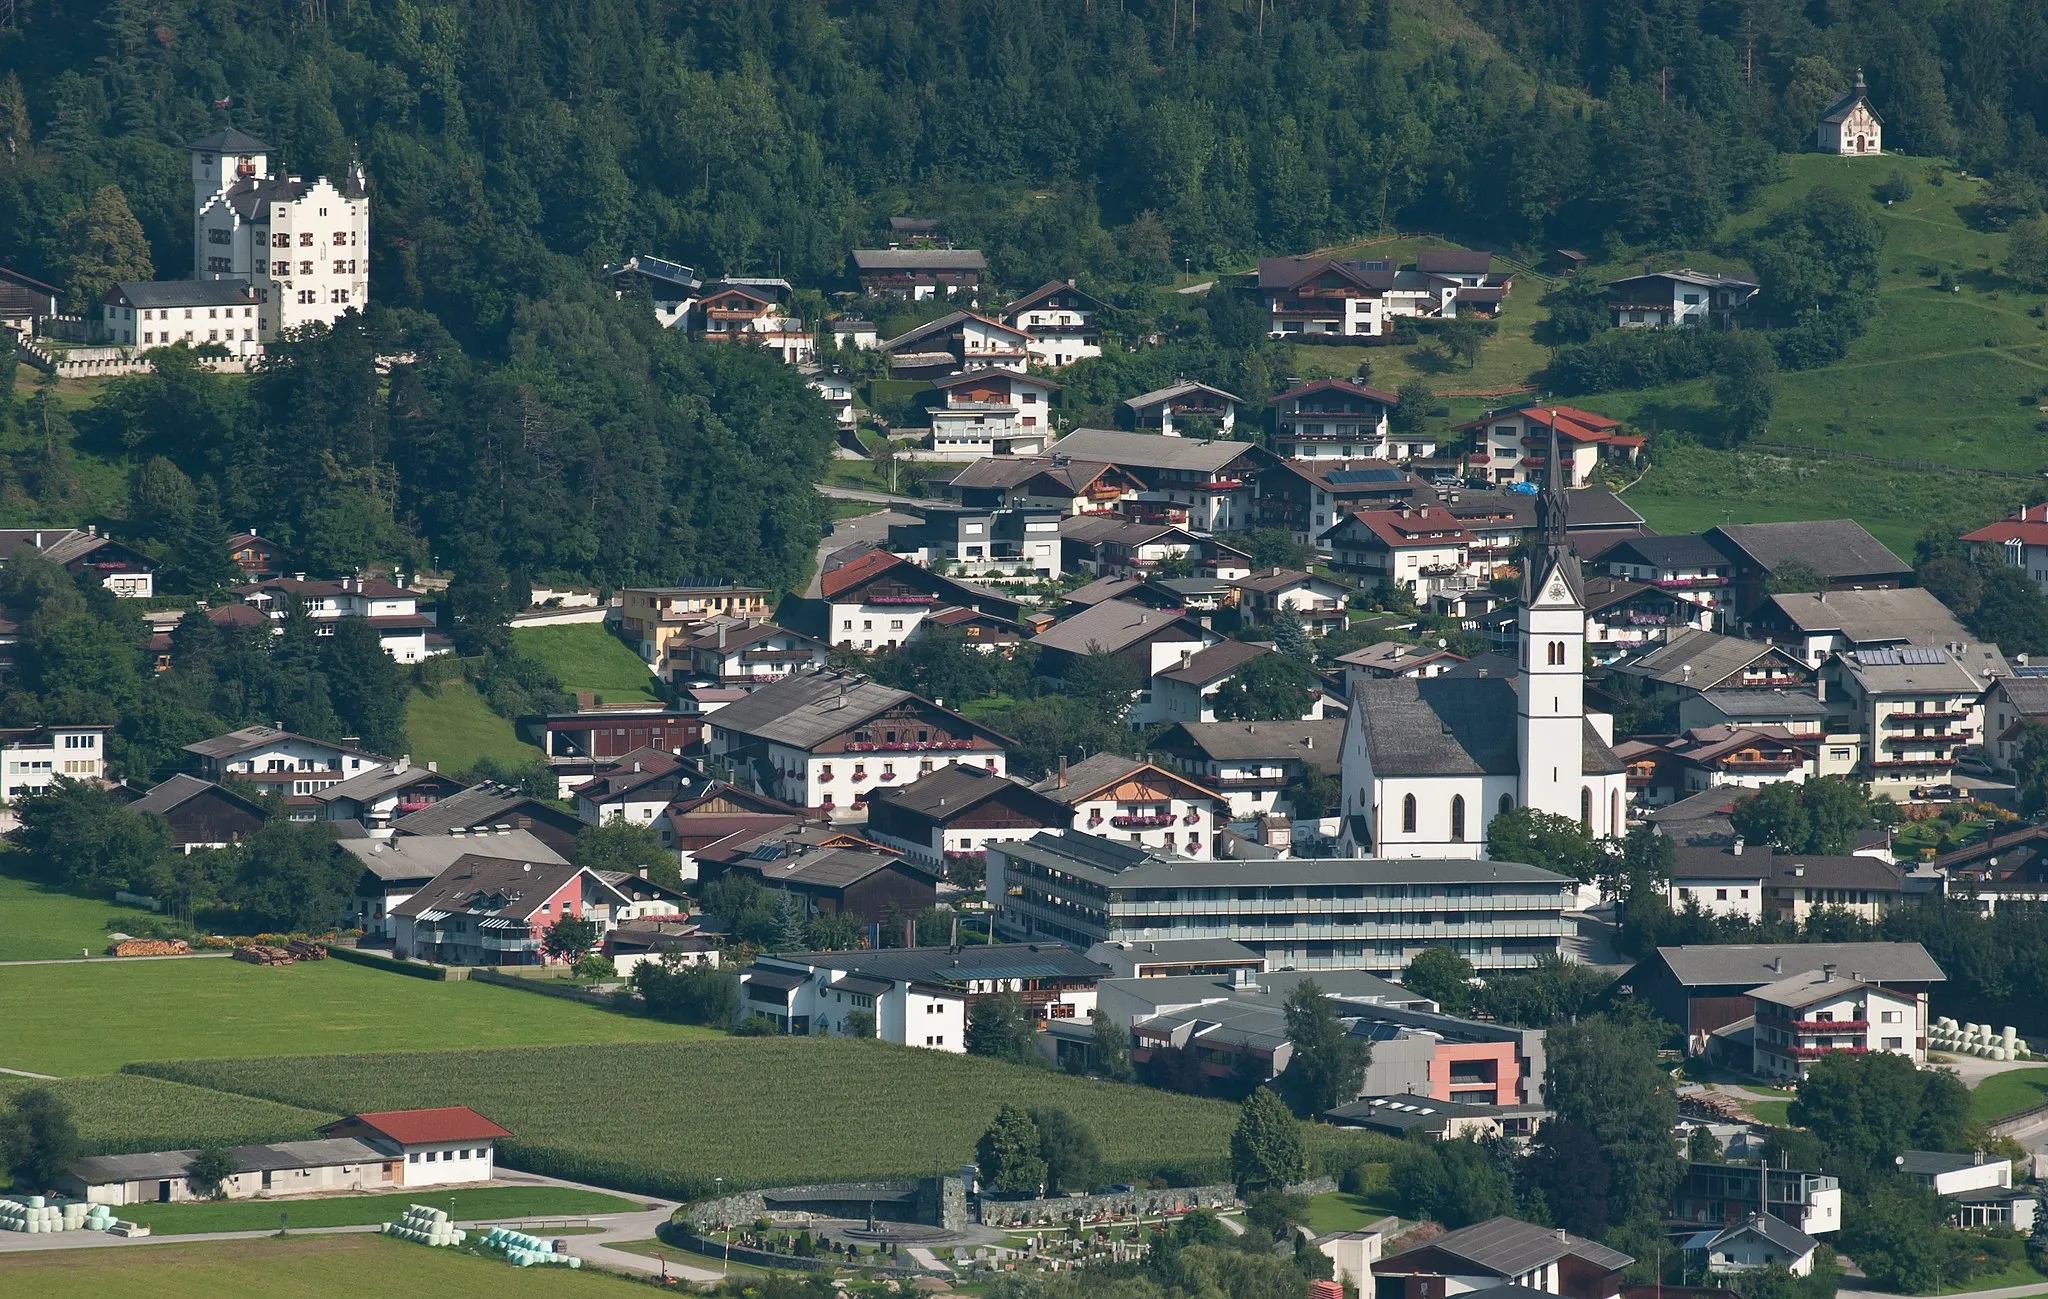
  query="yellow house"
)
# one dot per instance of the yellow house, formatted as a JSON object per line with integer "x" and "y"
{"x": 655, "y": 616}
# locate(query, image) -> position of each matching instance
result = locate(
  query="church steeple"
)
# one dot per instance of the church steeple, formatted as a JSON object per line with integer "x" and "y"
{"x": 1550, "y": 690}
{"x": 1553, "y": 562}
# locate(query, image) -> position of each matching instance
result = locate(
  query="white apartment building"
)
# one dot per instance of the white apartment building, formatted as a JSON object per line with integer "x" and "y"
{"x": 302, "y": 246}
{"x": 160, "y": 313}
{"x": 917, "y": 996}
{"x": 31, "y": 759}
{"x": 1804, "y": 1017}
{"x": 392, "y": 610}
{"x": 279, "y": 762}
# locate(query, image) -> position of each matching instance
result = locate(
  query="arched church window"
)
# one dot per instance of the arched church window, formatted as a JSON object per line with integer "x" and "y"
{"x": 1457, "y": 818}
{"x": 1408, "y": 814}
{"x": 1586, "y": 807}
{"x": 1507, "y": 803}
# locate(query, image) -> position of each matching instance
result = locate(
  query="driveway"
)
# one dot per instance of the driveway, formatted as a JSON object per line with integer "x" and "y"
{"x": 851, "y": 532}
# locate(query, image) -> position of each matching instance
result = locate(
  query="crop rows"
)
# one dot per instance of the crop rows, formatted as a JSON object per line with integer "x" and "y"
{"x": 125, "y": 1114}
{"x": 669, "y": 1118}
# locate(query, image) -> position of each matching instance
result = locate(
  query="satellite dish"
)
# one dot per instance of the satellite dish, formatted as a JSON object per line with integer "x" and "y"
{"x": 1442, "y": 643}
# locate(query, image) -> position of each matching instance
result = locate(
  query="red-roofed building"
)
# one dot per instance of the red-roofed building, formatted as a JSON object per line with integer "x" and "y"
{"x": 1426, "y": 550}
{"x": 1332, "y": 419}
{"x": 1513, "y": 446}
{"x": 2021, "y": 540}
{"x": 878, "y": 600}
{"x": 438, "y": 1147}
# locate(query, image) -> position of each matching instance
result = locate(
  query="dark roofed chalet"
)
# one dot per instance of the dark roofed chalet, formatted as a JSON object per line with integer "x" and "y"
{"x": 1117, "y": 626}
{"x": 1841, "y": 549}
{"x": 1704, "y": 988}
{"x": 200, "y": 813}
{"x": 1695, "y": 660}
{"x": 485, "y": 807}
{"x": 1508, "y": 1249}
{"x": 949, "y": 815}
{"x": 832, "y": 871}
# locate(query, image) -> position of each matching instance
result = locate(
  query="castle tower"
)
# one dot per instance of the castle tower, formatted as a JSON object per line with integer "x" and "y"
{"x": 1550, "y": 708}
{"x": 220, "y": 162}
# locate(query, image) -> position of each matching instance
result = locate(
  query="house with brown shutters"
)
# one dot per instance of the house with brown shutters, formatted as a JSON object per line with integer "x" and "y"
{"x": 1072, "y": 486}
{"x": 945, "y": 821}
{"x": 831, "y": 871}
{"x": 1332, "y": 419}
{"x": 879, "y": 600}
{"x": 825, "y": 740}
{"x": 1513, "y": 445}
{"x": 1132, "y": 801}
{"x": 755, "y": 313}
{"x": 1324, "y": 295}
{"x": 959, "y": 340}
{"x": 259, "y": 558}
{"x": 991, "y": 412}
{"x": 1425, "y": 550}
{"x": 1184, "y": 408}
{"x": 746, "y": 654}
{"x": 918, "y": 273}
{"x": 1059, "y": 321}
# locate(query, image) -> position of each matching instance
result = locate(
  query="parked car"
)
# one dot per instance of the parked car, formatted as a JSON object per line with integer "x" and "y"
{"x": 1936, "y": 793}
{"x": 1976, "y": 764}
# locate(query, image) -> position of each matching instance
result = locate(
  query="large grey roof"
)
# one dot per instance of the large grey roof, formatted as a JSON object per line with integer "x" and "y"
{"x": 1749, "y": 964}
{"x": 1712, "y": 658}
{"x": 919, "y": 259}
{"x": 1113, "y": 624}
{"x": 1911, "y": 669}
{"x": 948, "y": 791}
{"x": 1777, "y": 1231}
{"x": 97, "y": 1170}
{"x": 1240, "y": 741}
{"x": 479, "y": 805}
{"x": 1270, "y": 988}
{"x": 423, "y": 856}
{"x": 1687, "y": 550}
{"x": 1174, "y": 390}
{"x": 1721, "y": 864}
{"x": 1765, "y": 701}
{"x": 186, "y": 293}
{"x": 1450, "y": 726}
{"x": 1216, "y": 662}
{"x": 1509, "y": 1247}
{"x": 1120, "y": 865}
{"x": 1839, "y": 548}
{"x": 1929, "y": 1162}
{"x": 1148, "y": 450}
{"x": 831, "y": 868}
{"x": 248, "y": 738}
{"x": 1097, "y": 772}
{"x": 2029, "y": 695}
{"x": 174, "y": 793}
{"x": 474, "y": 881}
{"x": 1907, "y": 613}
{"x": 375, "y": 784}
{"x": 947, "y": 965}
{"x": 228, "y": 140}
{"x": 808, "y": 708}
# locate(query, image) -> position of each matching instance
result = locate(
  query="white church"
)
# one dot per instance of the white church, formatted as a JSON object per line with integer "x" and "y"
{"x": 1428, "y": 762}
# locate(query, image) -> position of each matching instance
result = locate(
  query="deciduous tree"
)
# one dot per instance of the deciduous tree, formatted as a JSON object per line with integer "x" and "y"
{"x": 1266, "y": 1148}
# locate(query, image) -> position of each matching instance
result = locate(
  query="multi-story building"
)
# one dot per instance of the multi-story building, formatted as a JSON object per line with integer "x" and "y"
{"x": 654, "y": 617}
{"x": 756, "y": 313}
{"x": 1917, "y": 706}
{"x": 1512, "y": 445}
{"x": 1114, "y": 797}
{"x": 671, "y": 287}
{"x": 33, "y": 758}
{"x": 823, "y": 740}
{"x": 486, "y": 910}
{"x": 1688, "y": 567}
{"x": 916, "y": 996}
{"x": 294, "y": 767}
{"x": 1175, "y": 408}
{"x": 1516, "y": 1258}
{"x": 731, "y": 653}
{"x": 394, "y": 611}
{"x": 120, "y": 568}
{"x": 1318, "y": 600}
{"x": 1211, "y": 480}
{"x": 980, "y": 542}
{"x": 1334, "y": 420}
{"x": 1424, "y": 550}
{"x": 1816, "y": 625}
{"x": 1060, "y": 320}
{"x": 946, "y": 820}
{"x": 1806, "y": 1016}
{"x": 1729, "y": 1193}
{"x": 302, "y": 246}
{"x": 1054, "y": 481}
{"x": 1682, "y": 298}
{"x": 1338, "y": 913}
{"x": 1325, "y": 295}
{"x": 918, "y": 273}
{"x": 157, "y": 313}
{"x": 992, "y": 412}
{"x": 2020, "y": 539}
{"x": 960, "y": 340}
{"x": 880, "y": 600}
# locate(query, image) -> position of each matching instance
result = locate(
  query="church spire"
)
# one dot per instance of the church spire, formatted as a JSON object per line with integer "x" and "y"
{"x": 1554, "y": 560}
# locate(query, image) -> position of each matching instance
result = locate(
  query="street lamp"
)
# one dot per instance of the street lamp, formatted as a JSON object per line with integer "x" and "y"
{"x": 725, "y": 1236}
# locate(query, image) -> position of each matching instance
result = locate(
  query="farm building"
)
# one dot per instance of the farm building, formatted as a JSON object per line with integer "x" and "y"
{"x": 437, "y": 1147}
{"x": 288, "y": 1168}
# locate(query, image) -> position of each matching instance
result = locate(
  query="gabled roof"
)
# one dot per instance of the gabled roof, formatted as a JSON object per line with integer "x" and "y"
{"x": 496, "y": 887}
{"x": 948, "y": 791}
{"x": 476, "y": 807}
{"x": 1319, "y": 744}
{"x": 1150, "y": 450}
{"x": 1161, "y": 395}
{"x": 423, "y": 856}
{"x": 1048, "y": 289}
{"x": 1015, "y": 471}
{"x": 1102, "y": 588}
{"x": 151, "y": 294}
{"x": 1509, "y": 1247}
{"x": 1701, "y": 659}
{"x": 1927, "y": 1163}
{"x": 228, "y": 140}
{"x": 179, "y": 790}
{"x": 808, "y": 708}
{"x": 424, "y": 1127}
{"x": 632, "y": 772}
{"x": 919, "y": 259}
{"x": 1687, "y": 275}
{"x": 1839, "y": 548}
{"x": 1687, "y": 550}
{"x": 976, "y": 376}
{"x": 1387, "y": 399}
{"x": 1428, "y": 527}
{"x": 1115, "y": 624}
{"x": 1269, "y": 581}
{"x": 1292, "y": 272}
{"x": 1906, "y": 613}
{"x": 375, "y": 784}
{"x": 1807, "y": 988}
{"x": 1841, "y": 108}
{"x": 1218, "y": 661}
{"x": 1453, "y": 261}
{"x": 1091, "y": 776}
{"x": 250, "y": 738}
{"x": 739, "y": 637}
{"x": 1766, "y": 701}
{"x": 944, "y": 324}
{"x": 1450, "y": 726}
{"x": 1754, "y": 965}
{"x": 1796, "y": 1243}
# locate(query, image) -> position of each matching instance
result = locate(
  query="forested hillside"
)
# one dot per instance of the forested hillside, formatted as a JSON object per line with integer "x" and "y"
{"x": 513, "y": 147}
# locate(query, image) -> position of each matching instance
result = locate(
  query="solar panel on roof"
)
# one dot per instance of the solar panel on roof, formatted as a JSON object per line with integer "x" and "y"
{"x": 1355, "y": 477}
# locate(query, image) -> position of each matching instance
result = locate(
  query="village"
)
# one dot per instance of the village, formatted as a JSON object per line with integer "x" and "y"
{"x": 1297, "y": 844}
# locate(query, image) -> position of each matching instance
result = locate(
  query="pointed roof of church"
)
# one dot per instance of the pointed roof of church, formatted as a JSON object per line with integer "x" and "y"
{"x": 1553, "y": 579}
{"x": 1842, "y": 107}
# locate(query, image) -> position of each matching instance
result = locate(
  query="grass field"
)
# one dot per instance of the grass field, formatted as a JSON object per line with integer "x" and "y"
{"x": 759, "y": 1111}
{"x": 1336, "y": 1211}
{"x": 1775, "y": 1113}
{"x": 456, "y": 728}
{"x": 40, "y": 924}
{"x": 584, "y": 656}
{"x": 2008, "y": 1093}
{"x": 125, "y": 1114}
{"x": 210, "y": 1008}
{"x": 2016, "y": 1274}
{"x": 477, "y": 1203}
{"x": 304, "y": 1267}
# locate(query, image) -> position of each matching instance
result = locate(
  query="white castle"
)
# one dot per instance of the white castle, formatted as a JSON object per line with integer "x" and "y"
{"x": 303, "y": 247}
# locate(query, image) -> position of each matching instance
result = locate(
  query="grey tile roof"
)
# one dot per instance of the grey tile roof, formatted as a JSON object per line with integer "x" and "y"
{"x": 1158, "y": 395}
{"x": 1908, "y": 613}
{"x": 1216, "y": 662}
{"x": 2029, "y": 695}
{"x": 1595, "y": 508}
{"x": 1749, "y": 964}
{"x": 1689, "y": 550}
{"x": 421, "y": 857}
{"x": 1777, "y": 1231}
{"x": 1915, "y": 669}
{"x": 943, "y": 965}
{"x": 829, "y": 868}
{"x": 1509, "y": 1247}
{"x": 1839, "y": 548}
{"x": 174, "y": 793}
{"x": 97, "y": 1170}
{"x": 248, "y": 738}
{"x": 1112, "y": 625}
{"x": 186, "y": 293}
{"x": 809, "y": 707}
{"x": 1242, "y": 741}
{"x": 228, "y": 140}
{"x": 473, "y": 881}
{"x": 1712, "y": 658}
{"x": 1926, "y": 1163}
{"x": 1014, "y": 471}
{"x": 480, "y": 805}
{"x": 950, "y": 790}
{"x": 1451, "y": 726}
{"x": 1097, "y": 772}
{"x": 1109, "y": 862}
{"x": 1149, "y": 450}
{"x": 1803, "y": 870}
{"x": 919, "y": 259}
{"x": 1769, "y": 701}
{"x": 1454, "y": 261}
{"x": 375, "y": 784}
{"x": 1721, "y": 864}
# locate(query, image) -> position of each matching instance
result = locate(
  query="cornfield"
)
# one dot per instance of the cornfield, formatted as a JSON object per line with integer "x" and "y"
{"x": 669, "y": 1118}
{"x": 124, "y": 1114}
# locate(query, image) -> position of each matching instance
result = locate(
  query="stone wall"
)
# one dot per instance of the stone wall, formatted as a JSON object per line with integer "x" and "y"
{"x": 1179, "y": 1199}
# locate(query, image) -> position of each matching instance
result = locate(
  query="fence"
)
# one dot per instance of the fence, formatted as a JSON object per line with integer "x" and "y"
{"x": 1918, "y": 466}
{"x": 567, "y": 992}
{"x": 393, "y": 965}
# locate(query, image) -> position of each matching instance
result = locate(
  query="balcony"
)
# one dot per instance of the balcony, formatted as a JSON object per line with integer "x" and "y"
{"x": 1688, "y": 583}
{"x": 1146, "y": 821}
{"x": 1908, "y": 719}
{"x": 903, "y": 599}
{"x": 906, "y": 746}
{"x": 1815, "y": 1052}
{"x": 1220, "y": 485}
{"x": 1944, "y": 737}
{"x": 1910, "y": 763}
{"x": 1826, "y": 1025}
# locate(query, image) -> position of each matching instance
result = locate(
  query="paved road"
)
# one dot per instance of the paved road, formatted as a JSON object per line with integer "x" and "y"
{"x": 2009, "y": 1292}
{"x": 838, "y": 493}
{"x": 849, "y": 532}
{"x": 124, "y": 960}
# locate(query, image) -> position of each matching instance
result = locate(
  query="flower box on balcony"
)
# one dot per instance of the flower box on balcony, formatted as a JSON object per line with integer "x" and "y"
{"x": 1147, "y": 822}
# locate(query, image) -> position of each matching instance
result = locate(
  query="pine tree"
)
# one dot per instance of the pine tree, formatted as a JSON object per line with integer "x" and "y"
{"x": 1289, "y": 636}
{"x": 105, "y": 245}
{"x": 789, "y": 923}
{"x": 1266, "y": 1148}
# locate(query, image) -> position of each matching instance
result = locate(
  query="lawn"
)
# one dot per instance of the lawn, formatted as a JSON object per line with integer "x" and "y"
{"x": 456, "y": 728}
{"x": 490, "y": 1203}
{"x": 191, "y": 1009}
{"x": 584, "y": 656}
{"x": 2008, "y": 1093}
{"x": 2020, "y": 1273}
{"x": 1337, "y": 1211}
{"x": 120, "y": 1114}
{"x": 1775, "y": 1113}
{"x": 759, "y": 1111}
{"x": 305, "y": 1267}
{"x": 43, "y": 924}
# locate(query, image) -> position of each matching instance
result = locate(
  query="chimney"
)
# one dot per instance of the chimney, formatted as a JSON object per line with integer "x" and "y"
{"x": 1063, "y": 772}
{"x": 721, "y": 635}
{"x": 1738, "y": 845}
{"x": 1186, "y": 657}
{"x": 433, "y": 764}
{"x": 1777, "y": 965}
{"x": 636, "y": 768}
{"x": 1310, "y": 741}
{"x": 643, "y": 872}
{"x": 1827, "y": 973}
{"x": 1799, "y": 872}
